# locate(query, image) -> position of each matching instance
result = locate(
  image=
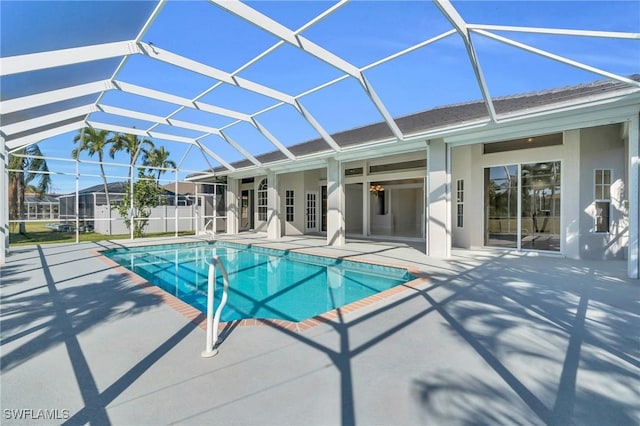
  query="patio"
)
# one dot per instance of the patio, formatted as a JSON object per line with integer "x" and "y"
{"x": 490, "y": 338}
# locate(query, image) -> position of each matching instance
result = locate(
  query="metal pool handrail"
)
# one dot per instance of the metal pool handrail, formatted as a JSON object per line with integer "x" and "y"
{"x": 213, "y": 321}
{"x": 212, "y": 233}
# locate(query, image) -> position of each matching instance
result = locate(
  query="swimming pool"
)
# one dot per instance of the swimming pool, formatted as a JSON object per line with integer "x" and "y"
{"x": 263, "y": 283}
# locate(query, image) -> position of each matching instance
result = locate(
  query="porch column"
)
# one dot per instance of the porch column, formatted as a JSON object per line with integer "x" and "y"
{"x": 365, "y": 207}
{"x": 570, "y": 206}
{"x": 633, "y": 256}
{"x": 4, "y": 202}
{"x": 233, "y": 209}
{"x": 274, "y": 224}
{"x": 438, "y": 200}
{"x": 335, "y": 203}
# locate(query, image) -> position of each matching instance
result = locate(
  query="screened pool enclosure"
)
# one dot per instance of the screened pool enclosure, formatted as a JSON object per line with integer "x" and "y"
{"x": 230, "y": 91}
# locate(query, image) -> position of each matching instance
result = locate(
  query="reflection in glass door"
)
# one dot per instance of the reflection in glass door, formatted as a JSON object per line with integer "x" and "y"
{"x": 522, "y": 206}
{"x": 501, "y": 206}
{"x": 540, "y": 198}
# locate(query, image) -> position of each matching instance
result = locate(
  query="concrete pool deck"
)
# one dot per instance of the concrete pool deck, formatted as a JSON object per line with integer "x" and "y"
{"x": 490, "y": 337}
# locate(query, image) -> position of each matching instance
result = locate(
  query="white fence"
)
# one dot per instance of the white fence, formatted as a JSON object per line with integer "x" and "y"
{"x": 162, "y": 219}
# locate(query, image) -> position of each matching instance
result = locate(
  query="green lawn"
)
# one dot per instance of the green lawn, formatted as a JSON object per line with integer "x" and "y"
{"x": 38, "y": 233}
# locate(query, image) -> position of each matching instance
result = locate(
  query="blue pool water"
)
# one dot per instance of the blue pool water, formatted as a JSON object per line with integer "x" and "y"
{"x": 263, "y": 283}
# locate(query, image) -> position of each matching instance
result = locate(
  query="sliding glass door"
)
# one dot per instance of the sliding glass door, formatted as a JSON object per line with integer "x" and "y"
{"x": 540, "y": 212}
{"x": 522, "y": 206}
{"x": 501, "y": 206}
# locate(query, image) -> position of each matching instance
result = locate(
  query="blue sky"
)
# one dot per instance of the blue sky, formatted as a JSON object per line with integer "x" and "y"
{"x": 360, "y": 32}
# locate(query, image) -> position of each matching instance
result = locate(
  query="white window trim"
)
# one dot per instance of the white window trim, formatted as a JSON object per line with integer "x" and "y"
{"x": 289, "y": 203}
{"x": 596, "y": 199}
{"x": 459, "y": 203}
{"x": 262, "y": 195}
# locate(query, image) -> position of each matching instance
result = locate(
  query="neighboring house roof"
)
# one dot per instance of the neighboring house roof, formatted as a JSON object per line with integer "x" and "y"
{"x": 447, "y": 116}
{"x": 184, "y": 188}
{"x": 113, "y": 187}
{"x": 46, "y": 198}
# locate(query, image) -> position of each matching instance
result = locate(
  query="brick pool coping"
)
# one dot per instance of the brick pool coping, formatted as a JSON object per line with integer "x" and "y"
{"x": 200, "y": 318}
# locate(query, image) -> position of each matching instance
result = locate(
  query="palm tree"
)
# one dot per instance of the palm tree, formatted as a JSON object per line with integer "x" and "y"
{"x": 28, "y": 167}
{"x": 93, "y": 142}
{"x": 133, "y": 146}
{"x": 158, "y": 157}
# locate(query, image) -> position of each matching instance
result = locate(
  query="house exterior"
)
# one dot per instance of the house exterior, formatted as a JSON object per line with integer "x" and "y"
{"x": 88, "y": 201}
{"x": 555, "y": 173}
{"x": 41, "y": 207}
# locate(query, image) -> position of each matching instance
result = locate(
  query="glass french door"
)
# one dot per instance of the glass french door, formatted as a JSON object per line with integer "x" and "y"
{"x": 246, "y": 210}
{"x": 522, "y": 206}
{"x": 311, "y": 211}
{"x": 323, "y": 222}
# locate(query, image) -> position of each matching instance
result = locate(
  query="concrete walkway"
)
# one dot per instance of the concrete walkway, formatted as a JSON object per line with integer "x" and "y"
{"x": 491, "y": 338}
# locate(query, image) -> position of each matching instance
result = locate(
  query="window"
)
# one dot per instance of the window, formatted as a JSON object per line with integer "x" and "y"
{"x": 262, "y": 200}
{"x": 405, "y": 165}
{"x": 356, "y": 171}
{"x": 460, "y": 202}
{"x": 602, "y": 199}
{"x": 289, "y": 202}
{"x": 603, "y": 184}
{"x": 602, "y": 216}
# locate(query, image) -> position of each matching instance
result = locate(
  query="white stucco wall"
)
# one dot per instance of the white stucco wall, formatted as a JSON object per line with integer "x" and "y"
{"x": 461, "y": 169}
{"x": 438, "y": 220}
{"x": 233, "y": 206}
{"x": 602, "y": 147}
{"x": 293, "y": 182}
{"x": 313, "y": 180}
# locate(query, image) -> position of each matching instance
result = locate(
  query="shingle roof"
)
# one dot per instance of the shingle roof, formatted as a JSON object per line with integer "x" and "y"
{"x": 527, "y": 101}
{"x": 444, "y": 116}
{"x": 114, "y": 188}
{"x": 46, "y": 198}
